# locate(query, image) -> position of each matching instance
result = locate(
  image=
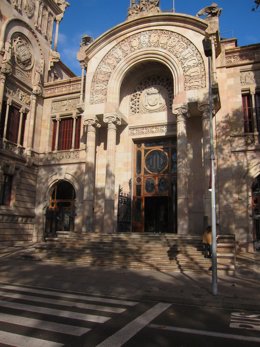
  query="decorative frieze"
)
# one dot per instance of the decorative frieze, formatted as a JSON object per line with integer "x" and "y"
{"x": 16, "y": 219}
{"x": 153, "y": 130}
{"x": 61, "y": 106}
{"x": 63, "y": 88}
{"x": 248, "y": 78}
{"x": 59, "y": 156}
{"x": 242, "y": 57}
{"x": 170, "y": 43}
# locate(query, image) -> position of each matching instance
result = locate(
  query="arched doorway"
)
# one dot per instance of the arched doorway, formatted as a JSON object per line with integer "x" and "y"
{"x": 155, "y": 181}
{"x": 146, "y": 96}
{"x": 60, "y": 213}
{"x": 256, "y": 211}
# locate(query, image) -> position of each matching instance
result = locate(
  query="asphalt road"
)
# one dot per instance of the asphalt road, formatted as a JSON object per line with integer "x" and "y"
{"x": 40, "y": 317}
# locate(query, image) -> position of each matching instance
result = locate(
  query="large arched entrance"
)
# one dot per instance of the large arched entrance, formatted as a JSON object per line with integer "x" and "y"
{"x": 256, "y": 211}
{"x": 60, "y": 213}
{"x": 146, "y": 97}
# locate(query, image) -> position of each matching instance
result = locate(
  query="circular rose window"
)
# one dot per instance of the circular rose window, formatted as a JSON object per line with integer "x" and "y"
{"x": 156, "y": 161}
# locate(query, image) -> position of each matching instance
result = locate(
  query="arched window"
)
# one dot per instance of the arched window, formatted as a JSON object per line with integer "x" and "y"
{"x": 60, "y": 213}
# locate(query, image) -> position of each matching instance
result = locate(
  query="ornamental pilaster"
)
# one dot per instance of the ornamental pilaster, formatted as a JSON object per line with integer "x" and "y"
{"x": 89, "y": 177}
{"x": 205, "y": 110}
{"x": 181, "y": 113}
{"x": 112, "y": 120}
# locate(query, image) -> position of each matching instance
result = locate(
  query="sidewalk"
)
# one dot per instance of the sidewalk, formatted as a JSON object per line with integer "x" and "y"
{"x": 241, "y": 291}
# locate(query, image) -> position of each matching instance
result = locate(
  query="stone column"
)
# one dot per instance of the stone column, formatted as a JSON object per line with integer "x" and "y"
{"x": 58, "y": 20}
{"x": 181, "y": 113}
{"x": 57, "y": 132}
{"x": 89, "y": 179}
{"x": 112, "y": 120}
{"x": 204, "y": 108}
{"x": 74, "y": 117}
{"x": 30, "y": 141}
{"x": 9, "y": 103}
{"x": 2, "y": 88}
{"x": 81, "y": 98}
{"x": 255, "y": 125}
{"x": 22, "y": 111}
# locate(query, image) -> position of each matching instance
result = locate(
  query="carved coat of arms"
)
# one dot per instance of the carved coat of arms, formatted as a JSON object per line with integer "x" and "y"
{"x": 22, "y": 52}
{"x": 153, "y": 99}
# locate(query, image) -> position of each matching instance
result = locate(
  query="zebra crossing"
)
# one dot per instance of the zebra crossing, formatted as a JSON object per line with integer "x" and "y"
{"x": 35, "y": 317}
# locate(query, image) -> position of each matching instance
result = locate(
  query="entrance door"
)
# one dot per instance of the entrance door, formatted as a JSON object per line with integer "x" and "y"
{"x": 61, "y": 211}
{"x": 154, "y": 200}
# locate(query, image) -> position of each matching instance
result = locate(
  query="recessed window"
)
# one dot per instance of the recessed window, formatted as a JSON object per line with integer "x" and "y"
{"x": 248, "y": 113}
{"x": 66, "y": 133}
{"x": 251, "y": 112}
{"x": 12, "y": 127}
{"x": 6, "y": 190}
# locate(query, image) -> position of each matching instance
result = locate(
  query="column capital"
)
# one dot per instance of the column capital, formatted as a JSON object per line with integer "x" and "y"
{"x": 91, "y": 122}
{"x": 59, "y": 17}
{"x": 110, "y": 118}
{"x": 181, "y": 112}
{"x": 204, "y": 108}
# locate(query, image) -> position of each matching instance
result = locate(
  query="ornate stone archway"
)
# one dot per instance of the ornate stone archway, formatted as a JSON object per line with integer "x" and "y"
{"x": 171, "y": 43}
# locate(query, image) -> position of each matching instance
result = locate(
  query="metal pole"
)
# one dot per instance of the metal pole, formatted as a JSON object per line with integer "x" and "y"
{"x": 213, "y": 190}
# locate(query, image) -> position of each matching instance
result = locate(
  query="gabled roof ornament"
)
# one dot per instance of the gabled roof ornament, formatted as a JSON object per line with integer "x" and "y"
{"x": 143, "y": 7}
{"x": 210, "y": 11}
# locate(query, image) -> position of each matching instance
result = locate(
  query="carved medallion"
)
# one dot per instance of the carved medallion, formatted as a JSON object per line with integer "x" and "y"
{"x": 29, "y": 7}
{"x": 22, "y": 51}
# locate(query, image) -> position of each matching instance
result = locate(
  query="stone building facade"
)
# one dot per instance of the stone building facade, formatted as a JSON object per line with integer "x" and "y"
{"x": 125, "y": 147}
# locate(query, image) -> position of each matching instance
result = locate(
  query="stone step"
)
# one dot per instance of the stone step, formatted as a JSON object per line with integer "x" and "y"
{"x": 165, "y": 252}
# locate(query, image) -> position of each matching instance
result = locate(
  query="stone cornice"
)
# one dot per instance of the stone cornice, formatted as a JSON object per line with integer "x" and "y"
{"x": 62, "y": 87}
{"x": 242, "y": 55}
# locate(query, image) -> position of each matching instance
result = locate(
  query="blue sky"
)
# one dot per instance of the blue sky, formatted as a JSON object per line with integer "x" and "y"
{"x": 94, "y": 17}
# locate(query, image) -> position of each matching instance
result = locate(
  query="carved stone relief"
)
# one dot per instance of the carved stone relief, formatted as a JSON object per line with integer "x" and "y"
{"x": 22, "y": 49}
{"x": 17, "y": 94}
{"x": 154, "y": 94}
{"x": 29, "y": 7}
{"x": 169, "y": 42}
{"x": 250, "y": 78}
{"x": 64, "y": 105}
{"x": 143, "y": 7}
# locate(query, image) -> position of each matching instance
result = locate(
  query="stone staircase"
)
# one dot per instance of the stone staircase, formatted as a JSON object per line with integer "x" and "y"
{"x": 161, "y": 252}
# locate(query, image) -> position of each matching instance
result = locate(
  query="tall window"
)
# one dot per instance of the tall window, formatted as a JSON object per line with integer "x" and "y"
{"x": 251, "y": 112}
{"x": 12, "y": 126}
{"x": 6, "y": 190}
{"x": 248, "y": 113}
{"x": 66, "y": 133}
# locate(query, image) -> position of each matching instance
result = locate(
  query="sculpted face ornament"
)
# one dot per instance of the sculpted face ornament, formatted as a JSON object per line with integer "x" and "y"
{"x": 22, "y": 52}
{"x": 29, "y": 7}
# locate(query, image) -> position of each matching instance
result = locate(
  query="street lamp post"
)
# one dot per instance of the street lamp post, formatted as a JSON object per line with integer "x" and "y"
{"x": 208, "y": 52}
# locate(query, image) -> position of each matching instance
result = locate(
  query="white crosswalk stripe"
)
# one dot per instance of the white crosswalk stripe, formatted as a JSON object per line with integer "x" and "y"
{"x": 247, "y": 321}
{"x": 63, "y": 302}
{"x": 25, "y": 313}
